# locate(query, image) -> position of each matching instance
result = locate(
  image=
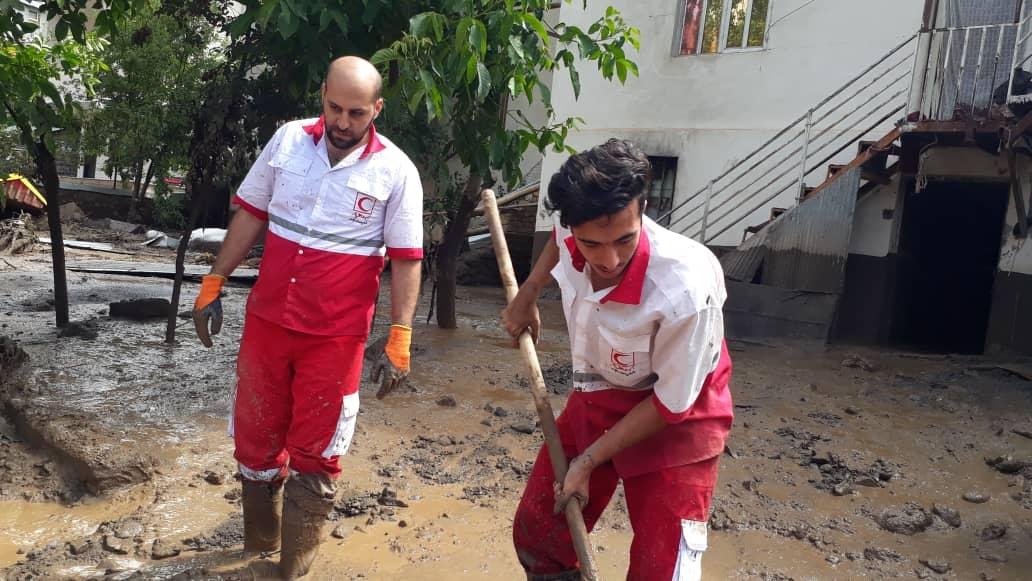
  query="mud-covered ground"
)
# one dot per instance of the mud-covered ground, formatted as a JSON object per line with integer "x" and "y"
{"x": 843, "y": 463}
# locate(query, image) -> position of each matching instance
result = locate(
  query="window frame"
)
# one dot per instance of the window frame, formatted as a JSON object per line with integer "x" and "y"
{"x": 725, "y": 25}
{"x": 669, "y": 165}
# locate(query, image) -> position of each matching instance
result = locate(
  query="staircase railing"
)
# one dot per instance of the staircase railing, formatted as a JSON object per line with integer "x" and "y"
{"x": 869, "y": 102}
{"x": 970, "y": 69}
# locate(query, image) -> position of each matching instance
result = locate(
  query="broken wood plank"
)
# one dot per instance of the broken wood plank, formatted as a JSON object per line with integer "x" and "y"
{"x": 158, "y": 270}
{"x": 84, "y": 245}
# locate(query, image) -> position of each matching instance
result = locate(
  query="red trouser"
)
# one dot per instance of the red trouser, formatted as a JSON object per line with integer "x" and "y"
{"x": 657, "y": 502}
{"x": 290, "y": 406}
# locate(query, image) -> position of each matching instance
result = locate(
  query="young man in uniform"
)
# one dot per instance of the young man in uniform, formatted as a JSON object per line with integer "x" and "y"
{"x": 651, "y": 404}
{"x": 333, "y": 198}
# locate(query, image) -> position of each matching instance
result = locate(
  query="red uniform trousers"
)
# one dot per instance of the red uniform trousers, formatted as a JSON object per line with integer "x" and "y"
{"x": 668, "y": 482}
{"x": 290, "y": 407}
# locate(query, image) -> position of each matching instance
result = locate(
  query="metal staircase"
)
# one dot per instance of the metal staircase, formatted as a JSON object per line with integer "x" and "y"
{"x": 780, "y": 168}
{"x": 946, "y": 74}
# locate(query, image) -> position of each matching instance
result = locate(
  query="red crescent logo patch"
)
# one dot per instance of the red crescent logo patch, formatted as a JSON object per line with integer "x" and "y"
{"x": 364, "y": 206}
{"x": 622, "y": 363}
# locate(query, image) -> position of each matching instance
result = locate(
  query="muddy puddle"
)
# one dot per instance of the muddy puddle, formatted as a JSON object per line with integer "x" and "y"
{"x": 833, "y": 471}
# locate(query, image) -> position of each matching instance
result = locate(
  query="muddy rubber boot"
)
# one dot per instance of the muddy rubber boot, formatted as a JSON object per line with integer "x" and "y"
{"x": 262, "y": 503}
{"x": 308, "y": 500}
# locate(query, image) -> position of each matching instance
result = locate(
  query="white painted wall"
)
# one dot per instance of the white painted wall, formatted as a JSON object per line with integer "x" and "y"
{"x": 711, "y": 110}
{"x": 1016, "y": 253}
{"x": 872, "y": 231}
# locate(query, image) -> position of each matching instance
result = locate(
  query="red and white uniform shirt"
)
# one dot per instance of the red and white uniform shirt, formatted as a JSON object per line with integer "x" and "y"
{"x": 658, "y": 333}
{"x": 329, "y": 227}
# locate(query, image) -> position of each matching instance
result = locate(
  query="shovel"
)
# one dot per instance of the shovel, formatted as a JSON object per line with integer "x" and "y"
{"x": 574, "y": 518}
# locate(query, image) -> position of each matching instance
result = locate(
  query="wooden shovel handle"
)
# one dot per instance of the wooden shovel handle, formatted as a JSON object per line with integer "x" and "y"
{"x": 574, "y": 518}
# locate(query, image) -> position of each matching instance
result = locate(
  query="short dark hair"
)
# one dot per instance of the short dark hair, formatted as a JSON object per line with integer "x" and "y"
{"x": 599, "y": 182}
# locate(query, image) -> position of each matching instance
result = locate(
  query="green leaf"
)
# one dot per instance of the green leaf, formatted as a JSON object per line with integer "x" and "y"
{"x": 384, "y": 55}
{"x": 462, "y": 32}
{"x": 324, "y": 19}
{"x": 61, "y": 30}
{"x": 288, "y": 24}
{"x": 427, "y": 25}
{"x": 478, "y": 38}
{"x": 546, "y": 93}
{"x": 536, "y": 25}
{"x": 51, "y": 91}
{"x": 342, "y": 20}
{"x": 587, "y": 45}
{"x": 240, "y": 25}
{"x": 483, "y": 82}
{"x": 517, "y": 46}
{"x": 471, "y": 69}
{"x": 265, "y": 12}
{"x": 621, "y": 70}
{"x": 575, "y": 81}
{"x": 416, "y": 99}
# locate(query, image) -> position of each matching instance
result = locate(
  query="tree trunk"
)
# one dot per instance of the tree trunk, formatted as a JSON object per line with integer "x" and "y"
{"x": 448, "y": 253}
{"x": 143, "y": 192}
{"x": 47, "y": 166}
{"x": 134, "y": 198}
{"x": 184, "y": 241}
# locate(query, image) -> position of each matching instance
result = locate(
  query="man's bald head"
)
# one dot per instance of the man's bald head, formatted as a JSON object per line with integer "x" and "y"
{"x": 351, "y": 102}
{"x": 357, "y": 74}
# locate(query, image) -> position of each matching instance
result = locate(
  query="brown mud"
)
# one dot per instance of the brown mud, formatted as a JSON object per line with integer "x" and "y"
{"x": 843, "y": 463}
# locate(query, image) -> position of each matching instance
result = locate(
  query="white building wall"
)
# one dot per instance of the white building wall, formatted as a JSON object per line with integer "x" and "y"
{"x": 711, "y": 110}
{"x": 874, "y": 220}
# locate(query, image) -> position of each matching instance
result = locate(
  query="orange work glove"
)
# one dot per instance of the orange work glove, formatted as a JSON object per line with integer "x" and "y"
{"x": 392, "y": 367}
{"x": 208, "y": 308}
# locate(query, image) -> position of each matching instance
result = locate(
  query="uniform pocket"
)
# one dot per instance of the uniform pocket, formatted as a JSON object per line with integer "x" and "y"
{"x": 625, "y": 361}
{"x": 341, "y": 441}
{"x": 689, "y": 556}
{"x": 291, "y": 171}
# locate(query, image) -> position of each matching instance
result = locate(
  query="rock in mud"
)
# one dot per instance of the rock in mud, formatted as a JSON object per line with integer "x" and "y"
{"x": 447, "y": 401}
{"x": 214, "y": 478}
{"x": 162, "y": 550}
{"x": 12, "y": 356}
{"x": 940, "y": 567}
{"x": 881, "y": 554}
{"x": 389, "y": 497}
{"x": 356, "y": 505}
{"x": 116, "y": 545}
{"x": 501, "y": 412}
{"x": 976, "y": 497}
{"x": 140, "y": 309}
{"x": 842, "y": 490}
{"x": 857, "y": 362}
{"x": 947, "y": 514}
{"x": 523, "y": 428}
{"x": 113, "y": 566}
{"x": 79, "y": 547}
{"x": 79, "y": 330}
{"x": 907, "y": 520}
{"x": 128, "y": 529}
{"x": 1006, "y": 464}
{"x": 991, "y": 557}
{"x": 340, "y": 532}
{"x": 993, "y": 531}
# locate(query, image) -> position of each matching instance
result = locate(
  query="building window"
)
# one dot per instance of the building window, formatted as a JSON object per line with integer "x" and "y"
{"x": 661, "y": 190}
{"x": 32, "y": 14}
{"x": 712, "y": 26}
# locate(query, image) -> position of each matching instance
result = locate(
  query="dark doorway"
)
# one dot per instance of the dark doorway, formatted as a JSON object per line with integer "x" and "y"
{"x": 949, "y": 249}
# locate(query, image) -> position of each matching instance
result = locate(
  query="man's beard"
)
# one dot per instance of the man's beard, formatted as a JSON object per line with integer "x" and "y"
{"x": 345, "y": 143}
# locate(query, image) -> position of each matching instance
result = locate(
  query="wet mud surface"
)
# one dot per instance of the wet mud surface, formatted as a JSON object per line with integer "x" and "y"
{"x": 843, "y": 463}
